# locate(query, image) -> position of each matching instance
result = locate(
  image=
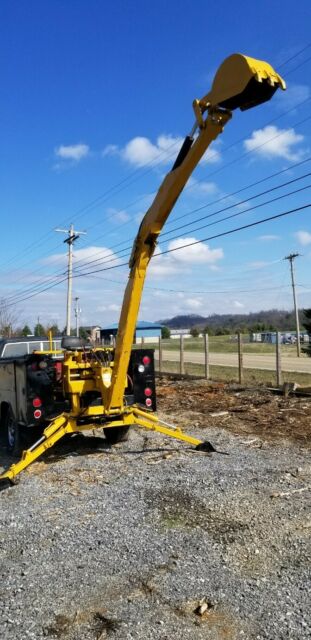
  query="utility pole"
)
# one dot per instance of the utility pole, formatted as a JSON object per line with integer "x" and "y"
{"x": 72, "y": 237}
{"x": 77, "y": 314}
{"x": 291, "y": 259}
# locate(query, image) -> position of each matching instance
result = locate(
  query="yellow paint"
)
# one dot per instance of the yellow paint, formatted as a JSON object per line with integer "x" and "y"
{"x": 244, "y": 82}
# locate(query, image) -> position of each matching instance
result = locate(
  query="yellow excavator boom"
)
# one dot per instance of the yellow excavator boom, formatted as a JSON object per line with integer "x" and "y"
{"x": 241, "y": 82}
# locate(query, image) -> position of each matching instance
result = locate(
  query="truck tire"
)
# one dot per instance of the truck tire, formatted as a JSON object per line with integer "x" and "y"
{"x": 116, "y": 434}
{"x": 11, "y": 433}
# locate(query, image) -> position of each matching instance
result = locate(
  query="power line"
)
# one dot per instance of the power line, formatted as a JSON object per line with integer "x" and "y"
{"x": 279, "y": 66}
{"x": 301, "y": 64}
{"x": 152, "y": 164}
{"x": 118, "y": 254}
{"x": 117, "y": 257}
{"x": 209, "y": 204}
{"x": 227, "y": 233}
{"x": 249, "y": 152}
{"x": 87, "y": 263}
{"x": 219, "y": 235}
{"x": 241, "y": 202}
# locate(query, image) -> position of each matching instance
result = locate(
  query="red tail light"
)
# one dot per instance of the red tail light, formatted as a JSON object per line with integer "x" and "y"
{"x": 58, "y": 370}
{"x": 146, "y": 360}
{"x": 36, "y": 402}
{"x": 148, "y": 402}
{"x": 148, "y": 392}
{"x": 37, "y": 414}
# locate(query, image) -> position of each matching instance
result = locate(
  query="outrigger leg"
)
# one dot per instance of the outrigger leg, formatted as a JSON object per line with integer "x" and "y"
{"x": 55, "y": 431}
{"x": 67, "y": 423}
{"x": 151, "y": 421}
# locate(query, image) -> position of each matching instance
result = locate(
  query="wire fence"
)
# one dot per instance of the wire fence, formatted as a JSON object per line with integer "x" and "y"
{"x": 233, "y": 359}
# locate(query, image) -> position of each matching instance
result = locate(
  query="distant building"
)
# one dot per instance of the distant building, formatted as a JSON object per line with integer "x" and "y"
{"x": 176, "y": 333}
{"x": 145, "y": 331}
{"x": 286, "y": 337}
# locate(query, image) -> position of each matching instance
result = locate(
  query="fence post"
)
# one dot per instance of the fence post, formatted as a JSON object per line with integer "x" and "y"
{"x": 142, "y": 341}
{"x": 206, "y": 356}
{"x": 240, "y": 354}
{"x": 278, "y": 359}
{"x": 182, "y": 367}
{"x": 160, "y": 354}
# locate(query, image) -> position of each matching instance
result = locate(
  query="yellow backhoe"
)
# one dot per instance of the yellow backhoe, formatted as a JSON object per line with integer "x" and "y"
{"x": 241, "y": 82}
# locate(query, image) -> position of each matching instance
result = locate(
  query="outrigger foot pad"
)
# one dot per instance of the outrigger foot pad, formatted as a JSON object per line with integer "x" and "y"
{"x": 5, "y": 483}
{"x": 206, "y": 446}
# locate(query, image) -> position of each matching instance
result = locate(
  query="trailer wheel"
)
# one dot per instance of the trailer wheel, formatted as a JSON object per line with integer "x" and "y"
{"x": 12, "y": 433}
{"x": 116, "y": 434}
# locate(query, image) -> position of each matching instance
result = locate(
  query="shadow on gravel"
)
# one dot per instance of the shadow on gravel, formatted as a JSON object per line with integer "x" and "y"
{"x": 76, "y": 445}
{"x": 81, "y": 445}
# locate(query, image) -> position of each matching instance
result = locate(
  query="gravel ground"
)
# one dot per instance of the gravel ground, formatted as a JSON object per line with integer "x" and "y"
{"x": 127, "y": 542}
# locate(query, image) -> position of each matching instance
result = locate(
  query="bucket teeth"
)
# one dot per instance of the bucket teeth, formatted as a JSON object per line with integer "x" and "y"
{"x": 242, "y": 82}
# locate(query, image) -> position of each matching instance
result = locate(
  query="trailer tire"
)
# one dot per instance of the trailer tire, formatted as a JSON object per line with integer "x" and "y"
{"x": 116, "y": 434}
{"x": 12, "y": 433}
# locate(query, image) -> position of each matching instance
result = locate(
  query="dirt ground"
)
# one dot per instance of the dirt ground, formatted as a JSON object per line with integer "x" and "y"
{"x": 259, "y": 412}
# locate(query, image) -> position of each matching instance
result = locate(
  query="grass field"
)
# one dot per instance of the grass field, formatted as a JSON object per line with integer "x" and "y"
{"x": 225, "y": 344}
{"x": 230, "y": 374}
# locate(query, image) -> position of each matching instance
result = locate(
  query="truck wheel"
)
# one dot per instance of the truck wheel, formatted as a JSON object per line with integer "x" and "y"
{"x": 117, "y": 434}
{"x": 12, "y": 434}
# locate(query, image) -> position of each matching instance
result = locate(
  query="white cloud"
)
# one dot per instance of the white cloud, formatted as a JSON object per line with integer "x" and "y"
{"x": 195, "y": 254}
{"x": 238, "y": 305}
{"x": 199, "y": 187}
{"x": 162, "y": 266}
{"x": 182, "y": 260}
{"x": 110, "y": 150}
{"x": 193, "y": 303}
{"x": 73, "y": 152}
{"x": 271, "y": 142}
{"x": 141, "y": 151}
{"x": 268, "y": 238}
{"x": 303, "y": 237}
{"x": 118, "y": 215}
{"x": 82, "y": 256}
{"x": 113, "y": 307}
{"x": 212, "y": 155}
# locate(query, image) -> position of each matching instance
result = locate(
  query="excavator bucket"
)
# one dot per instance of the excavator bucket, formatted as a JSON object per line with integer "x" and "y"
{"x": 242, "y": 82}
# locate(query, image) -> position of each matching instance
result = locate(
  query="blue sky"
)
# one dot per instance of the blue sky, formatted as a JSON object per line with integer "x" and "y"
{"x": 96, "y": 99}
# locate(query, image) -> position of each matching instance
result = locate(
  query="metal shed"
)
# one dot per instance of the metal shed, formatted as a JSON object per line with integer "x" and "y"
{"x": 146, "y": 331}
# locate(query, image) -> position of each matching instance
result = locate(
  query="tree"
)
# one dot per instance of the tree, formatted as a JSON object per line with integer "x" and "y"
{"x": 26, "y": 331}
{"x": 54, "y": 328}
{"x": 208, "y": 330}
{"x": 8, "y": 319}
{"x": 194, "y": 332}
{"x": 165, "y": 333}
{"x": 39, "y": 330}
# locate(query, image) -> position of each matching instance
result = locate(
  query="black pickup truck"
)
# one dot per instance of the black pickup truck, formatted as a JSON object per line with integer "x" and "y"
{"x": 31, "y": 390}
